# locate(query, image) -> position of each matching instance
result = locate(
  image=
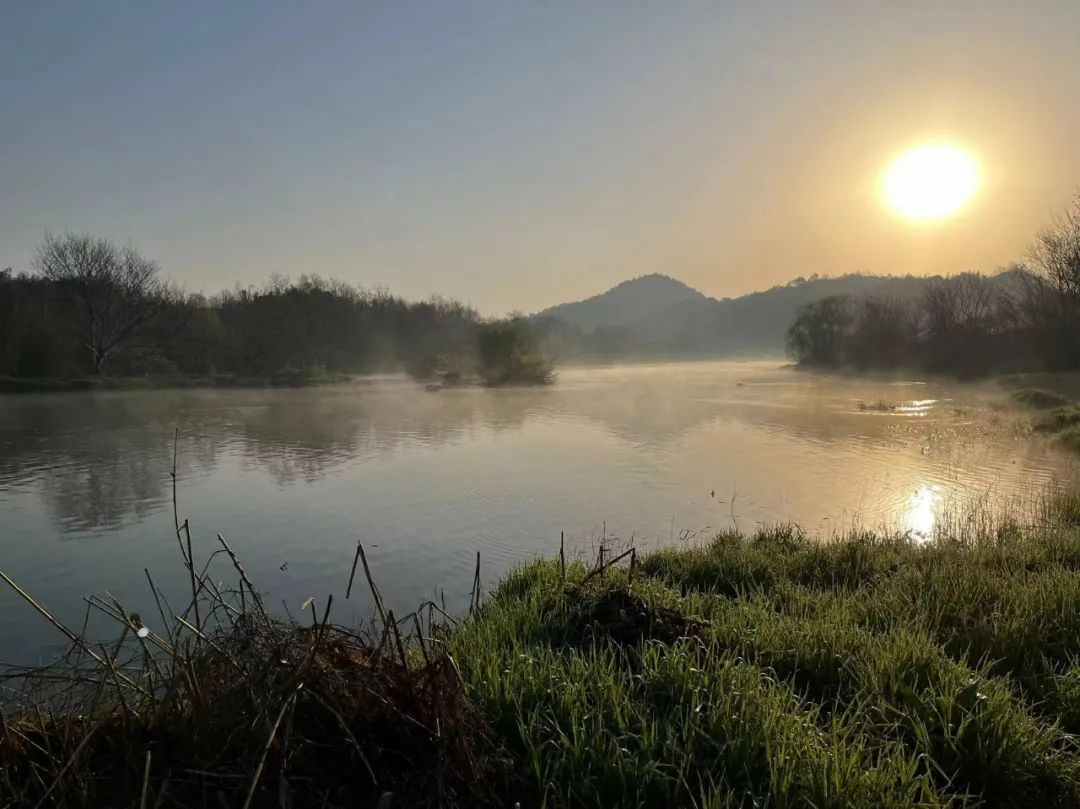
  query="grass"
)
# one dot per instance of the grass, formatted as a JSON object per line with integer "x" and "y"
{"x": 777, "y": 670}
{"x": 1058, "y": 419}
{"x": 1063, "y": 424}
{"x": 1070, "y": 438}
{"x": 770, "y": 670}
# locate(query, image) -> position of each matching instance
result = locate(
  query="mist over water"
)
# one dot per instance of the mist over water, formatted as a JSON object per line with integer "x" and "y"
{"x": 293, "y": 478}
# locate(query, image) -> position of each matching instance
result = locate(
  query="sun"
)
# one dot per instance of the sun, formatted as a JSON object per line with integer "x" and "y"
{"x": 931, "y": 181}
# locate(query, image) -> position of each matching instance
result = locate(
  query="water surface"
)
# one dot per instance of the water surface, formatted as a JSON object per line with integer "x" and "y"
{"x": 293, "y": 478}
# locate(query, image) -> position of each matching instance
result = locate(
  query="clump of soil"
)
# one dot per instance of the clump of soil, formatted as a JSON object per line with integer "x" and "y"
{"x": 627, "y": 620}
{"x": 880, "y": 406}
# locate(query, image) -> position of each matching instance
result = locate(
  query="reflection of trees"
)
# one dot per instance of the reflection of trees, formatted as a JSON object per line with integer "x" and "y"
{"x": 100, "y": 460}
{"x": 100, "y": 490}
{"x": 300, "y": 435}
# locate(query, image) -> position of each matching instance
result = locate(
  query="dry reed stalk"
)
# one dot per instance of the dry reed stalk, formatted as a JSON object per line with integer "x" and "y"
{"x": 474, "y": 596}
{"x": 266, "y": 749}
{"x": 348, "y": 735}
{"x": 602, "y": 566}
{"x": 420, "y": 639}
{"x": 145, "y": 783}
{"x": 371, "y": 583}
{"x": 244, "y": 580}
{"x": 75, "y": 639}
{"x": 397, "y": 640}
{"x": 176, "y": 513}
{"x": 159, "y": 597}
{"x": 67, "y": 766}
{"x": 191, "y": 574}
{"x": 352, "y": 573}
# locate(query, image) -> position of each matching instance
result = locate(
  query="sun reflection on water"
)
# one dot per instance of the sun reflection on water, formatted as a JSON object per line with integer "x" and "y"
{"x": 922, "y": 513}
{"x": 918, "y": 407}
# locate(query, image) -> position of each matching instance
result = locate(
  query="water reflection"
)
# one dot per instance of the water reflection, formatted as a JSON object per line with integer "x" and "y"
{"x": 922, "y": 513}
{"x": 100, "y": 461}
{"x": 919, "y": 407}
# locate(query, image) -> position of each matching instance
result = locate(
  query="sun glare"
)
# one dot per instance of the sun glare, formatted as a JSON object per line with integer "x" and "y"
{"x": 931, "y": 181}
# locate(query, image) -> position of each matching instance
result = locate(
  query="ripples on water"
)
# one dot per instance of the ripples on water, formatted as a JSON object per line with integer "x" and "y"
{"x": 294, "y": 477}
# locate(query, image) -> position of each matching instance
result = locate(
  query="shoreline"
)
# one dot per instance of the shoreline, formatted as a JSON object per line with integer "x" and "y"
{"x": 21, "y": 385}
{"x": 29, "y": 385}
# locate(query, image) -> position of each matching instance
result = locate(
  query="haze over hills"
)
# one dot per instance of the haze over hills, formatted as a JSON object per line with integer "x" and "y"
{"x": 656, "y": 316}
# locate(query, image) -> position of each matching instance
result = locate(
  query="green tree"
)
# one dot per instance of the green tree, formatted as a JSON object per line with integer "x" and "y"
{"x": 510, "y": 354}
{"x": 820, "y": 330}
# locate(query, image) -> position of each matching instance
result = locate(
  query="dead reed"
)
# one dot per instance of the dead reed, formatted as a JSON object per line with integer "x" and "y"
{"x": 230, "y": 705}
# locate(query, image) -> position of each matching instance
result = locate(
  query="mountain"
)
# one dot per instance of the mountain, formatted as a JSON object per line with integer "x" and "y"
{"x": 628, "y": 304}
{"x": 658, "y": 316}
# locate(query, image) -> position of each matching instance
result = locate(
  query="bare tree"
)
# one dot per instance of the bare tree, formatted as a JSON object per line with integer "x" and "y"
{"x": 116, "y": 292}
{"x": 7, "y": 309}
{"x": 883, "y": 334}
{"x": 963, "y": 303}
{"x": 1052, "y": 294}
{"x": 1055, "y": 255}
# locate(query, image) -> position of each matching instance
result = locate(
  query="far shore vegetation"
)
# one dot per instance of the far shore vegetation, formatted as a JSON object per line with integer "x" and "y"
{"x": 773, "y": 669}
{"x": 1026, "y": 319}
{"x": 94, "y": 315}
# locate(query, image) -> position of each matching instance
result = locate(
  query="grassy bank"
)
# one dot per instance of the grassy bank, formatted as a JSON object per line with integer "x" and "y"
{"x": 770, "y": 670}
{"x": 1052, "y": 396}
{"x": 777, "y": 671}
{"x": 1061, "y": 384}
{"x": 1063, "y": 423}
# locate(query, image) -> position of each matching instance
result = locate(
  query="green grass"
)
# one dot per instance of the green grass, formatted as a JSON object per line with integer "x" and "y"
{"x": 777, "y": 670}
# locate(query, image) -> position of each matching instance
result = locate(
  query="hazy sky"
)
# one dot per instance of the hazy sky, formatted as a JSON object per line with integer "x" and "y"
{"x": 516, "y": 155}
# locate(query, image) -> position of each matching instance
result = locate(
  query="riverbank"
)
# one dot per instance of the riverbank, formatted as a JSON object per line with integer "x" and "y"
{"x": 83, "y": 384}
{"x": 14, "y": 384}
{"x": 770, "y": 669}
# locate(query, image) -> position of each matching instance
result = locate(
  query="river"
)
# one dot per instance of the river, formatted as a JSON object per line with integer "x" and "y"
{"x": 653, "y": 454}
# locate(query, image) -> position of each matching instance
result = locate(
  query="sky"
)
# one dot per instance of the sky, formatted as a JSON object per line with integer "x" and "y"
{"x": 517, "y": 155}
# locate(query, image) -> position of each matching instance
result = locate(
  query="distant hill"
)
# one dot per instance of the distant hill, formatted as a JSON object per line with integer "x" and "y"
{"x": 659, "y": 316}
{"x": 628, "y": 305}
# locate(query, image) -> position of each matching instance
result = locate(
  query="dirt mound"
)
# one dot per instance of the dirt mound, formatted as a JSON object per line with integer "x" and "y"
{"x": 627, "y": 620}
{"x": 1037, "y": 399}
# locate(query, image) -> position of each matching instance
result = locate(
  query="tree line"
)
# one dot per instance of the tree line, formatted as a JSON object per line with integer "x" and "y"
{"x": 1025, "y": 318}
{"x": 90, "y": 307}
